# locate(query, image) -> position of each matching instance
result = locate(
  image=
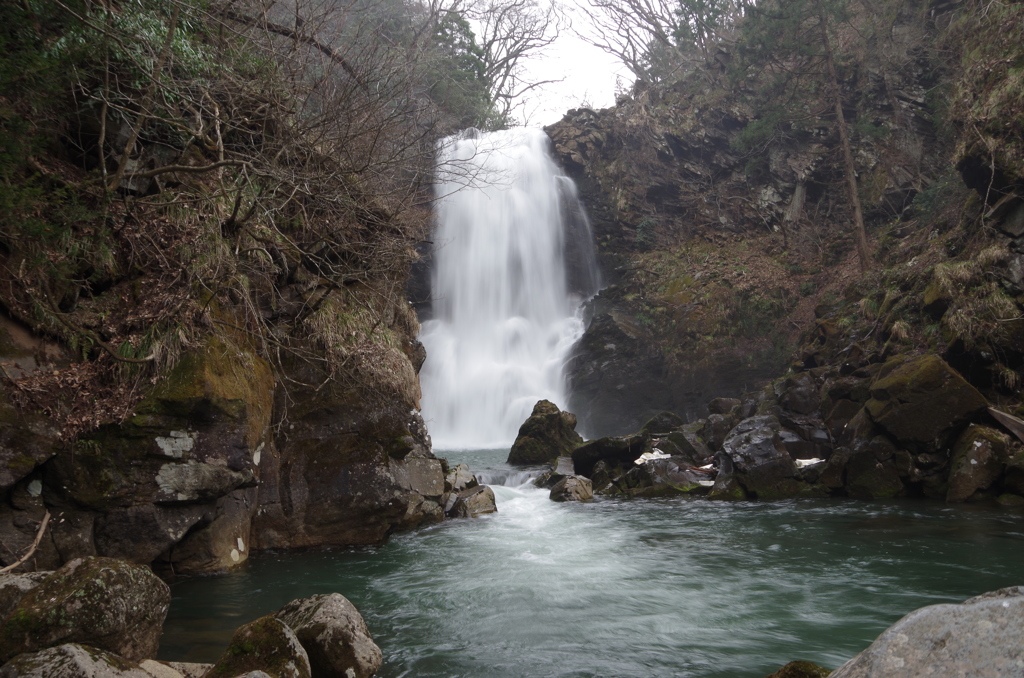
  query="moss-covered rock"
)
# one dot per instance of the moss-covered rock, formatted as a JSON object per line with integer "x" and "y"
{"x": 977, "y": 461}
{"x": 72, "y": 660}
{"x": 801, "y": 669}
{"x": 547, "y": 434}
{"x": 266, "y": 645}
{"x": 334, "y": 635}
{"x": 922, "y": 402}
{"x": 102, "y": 602}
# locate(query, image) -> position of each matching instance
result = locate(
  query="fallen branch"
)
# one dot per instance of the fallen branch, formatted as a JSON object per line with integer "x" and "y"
{"x": 32, "y": 549}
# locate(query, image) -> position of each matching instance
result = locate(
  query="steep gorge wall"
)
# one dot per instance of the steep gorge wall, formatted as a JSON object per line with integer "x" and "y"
{"x": 721, "y": 253}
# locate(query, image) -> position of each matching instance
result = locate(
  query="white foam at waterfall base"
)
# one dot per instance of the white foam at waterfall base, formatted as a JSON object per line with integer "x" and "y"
{"x": 503, "y": 318}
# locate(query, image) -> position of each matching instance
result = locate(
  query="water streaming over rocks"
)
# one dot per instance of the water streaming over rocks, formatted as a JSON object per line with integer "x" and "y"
{"x": 615, "y": 588}
{"x": 513, "y": 259}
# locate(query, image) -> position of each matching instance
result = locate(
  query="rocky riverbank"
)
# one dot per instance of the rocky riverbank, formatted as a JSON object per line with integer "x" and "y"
{"x": 909, "y": 426}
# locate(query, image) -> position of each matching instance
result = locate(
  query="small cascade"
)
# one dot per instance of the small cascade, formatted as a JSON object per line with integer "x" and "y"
{"x": 513, "y": 260}
{"x": 506, "y": 478}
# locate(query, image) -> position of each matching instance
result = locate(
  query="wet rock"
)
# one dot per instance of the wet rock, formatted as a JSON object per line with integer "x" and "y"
{"x": 106, "y": 603}
{"x": 722, "y": 405}
{"x": 334, "y": 635}
{"x": 614, "y": 451}
{"x": 617, "y": 378}
{"x": 833, "y": 476}
{"x": 473, "y": 502}
{"x": 761, "y": 463}
{"x": 801, "y": 669}
{"x": 267, "y": 645}
{"x": 921, "y": 402}
{"x": 662, "y": 423}
{"x": 715, "y": 430}
{"x": 978, "y": 458}
{"x": 1013, "y": 479}
{"x": 800, "y": 394}
{"x": 572, "y": 488}
{"x": 459, "y": 478}
{"x": 219, "y": 542}
{"x": 982, "y": 637}
{"x": 71, "y": 660}
{"x": 665, "y": 477}
{"x": 548, "y": 433}
{"x": 600, "y": 477}
{"x": 871, "y": 471}
{"x": 726, "y": 486}
{"x": 690, "y": 445}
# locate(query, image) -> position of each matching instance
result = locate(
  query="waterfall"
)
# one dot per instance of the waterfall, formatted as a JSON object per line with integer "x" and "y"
{"x": 513, "y": 260}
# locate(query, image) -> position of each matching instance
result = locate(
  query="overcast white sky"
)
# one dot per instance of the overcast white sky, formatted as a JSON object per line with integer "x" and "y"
{"x": 589, "y": 78}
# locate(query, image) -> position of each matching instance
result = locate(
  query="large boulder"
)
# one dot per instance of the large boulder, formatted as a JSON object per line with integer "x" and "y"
{"x": 922, "y": 402}
{"x": 761, "y": 463}
{"x": 106, "y": 603}
{"x": 979, "y": 457}
{"x": 548, "y": 433}
{"x": 267, "y": 645}
{"x": 71, "y": 660}
{"x": 982, "y": 638}
{"x": 614, "y": 451}
{"x": 334, "y": 635}
{"x": 572, "y": 488}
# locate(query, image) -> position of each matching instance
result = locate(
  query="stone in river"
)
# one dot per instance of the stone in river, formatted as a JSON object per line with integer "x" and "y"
{"x": 572, "y": 488}
{"x": 981, "y": 638}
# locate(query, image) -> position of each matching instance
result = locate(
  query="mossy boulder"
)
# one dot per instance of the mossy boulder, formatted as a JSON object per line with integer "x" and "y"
{"x": 978, "y": 459}
{"x": 266, "y": 645}
{"x": 690, "y": 444}
{"x": 664, "y": 477}
{"x": 922, "y": 402}
{"x": 334, "y": 635}
{"x": 547, "y": 434}
{"x": 102, "y": 602}
{"x": 871, "y": 469}
{"x": 801, "y": 669}
{"x": 662, "y": 423}
{"x": 72, "y": 660}
{"x": 14, "y": 587}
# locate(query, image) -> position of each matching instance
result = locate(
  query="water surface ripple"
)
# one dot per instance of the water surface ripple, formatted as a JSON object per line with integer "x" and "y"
{"x": 652, "y": 588}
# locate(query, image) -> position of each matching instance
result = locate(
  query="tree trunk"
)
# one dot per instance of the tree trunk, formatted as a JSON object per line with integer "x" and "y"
{"x": 860, "y": 233}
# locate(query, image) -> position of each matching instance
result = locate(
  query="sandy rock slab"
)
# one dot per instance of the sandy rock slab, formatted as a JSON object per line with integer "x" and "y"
{"x": 981, "y": 638}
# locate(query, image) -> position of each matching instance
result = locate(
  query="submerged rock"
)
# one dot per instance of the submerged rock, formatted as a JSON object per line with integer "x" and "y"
{"x": 71, "y": 660}
{"x": 334, "y": 635}
{"x": 801, "y": 669}
{"x": 105, "y": 603}
{"x": 572, "y": 488}
{"x": 266, "y": 645}
{"x": 982, "y": 638}
{"x": 548, "y": 433}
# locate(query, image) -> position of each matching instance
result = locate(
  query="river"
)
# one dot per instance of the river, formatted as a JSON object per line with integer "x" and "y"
{"x": 653, "y": 588}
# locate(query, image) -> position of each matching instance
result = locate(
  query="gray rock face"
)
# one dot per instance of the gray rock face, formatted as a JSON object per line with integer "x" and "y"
{"x": 459, "y": 478}
{"x": 977, "y": 461}
{"x": 572, "y": 488}
{"x": 105, "y": 603}
{"x": 71, "y": 661}
{"x": 980, "y": 638}
{"x": 267, "y": 645}
{"x": 334, "y": 636}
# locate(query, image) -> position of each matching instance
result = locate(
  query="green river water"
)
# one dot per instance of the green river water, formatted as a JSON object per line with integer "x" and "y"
{"x": 646, "y": 588}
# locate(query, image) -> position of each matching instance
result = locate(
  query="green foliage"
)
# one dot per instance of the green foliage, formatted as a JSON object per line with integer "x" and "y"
{"x": 456, "y": 73}
{"x": 645, "y": 237}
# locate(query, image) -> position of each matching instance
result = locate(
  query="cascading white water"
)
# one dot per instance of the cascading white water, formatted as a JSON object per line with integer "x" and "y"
{"x": 503, "y": 316}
